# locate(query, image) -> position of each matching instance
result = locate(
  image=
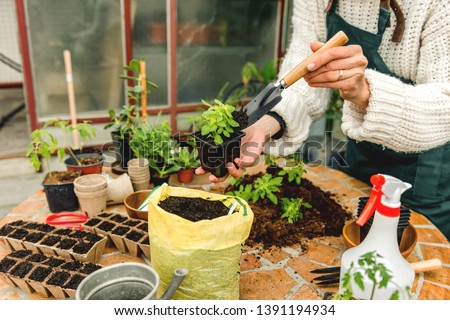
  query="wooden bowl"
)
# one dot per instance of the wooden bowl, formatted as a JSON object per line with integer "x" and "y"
{"x": 133, "y": 201}
{"x": 351, "y": 232}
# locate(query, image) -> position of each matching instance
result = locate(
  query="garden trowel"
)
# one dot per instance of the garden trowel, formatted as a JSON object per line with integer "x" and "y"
{"x": 271, "y": 94}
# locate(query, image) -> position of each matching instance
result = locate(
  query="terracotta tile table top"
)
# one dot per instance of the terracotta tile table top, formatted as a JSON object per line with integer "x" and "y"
{"x": 282, "y": 273}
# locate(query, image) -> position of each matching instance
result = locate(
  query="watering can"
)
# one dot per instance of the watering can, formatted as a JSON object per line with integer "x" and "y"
{"x": 126, "y": 281}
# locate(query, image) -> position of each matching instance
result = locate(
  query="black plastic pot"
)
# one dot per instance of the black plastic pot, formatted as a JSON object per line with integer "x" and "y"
{"x": 157, "y": 180}
{"x": 61, "y": 197}
{"x": 122, "y": 150}
{"x": 215, "y": 158}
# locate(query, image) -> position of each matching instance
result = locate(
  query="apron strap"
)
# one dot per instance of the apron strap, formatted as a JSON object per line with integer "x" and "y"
{"x": 385, "y": 4}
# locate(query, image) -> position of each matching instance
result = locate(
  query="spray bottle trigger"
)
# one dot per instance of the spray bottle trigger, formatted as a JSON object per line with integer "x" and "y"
{"x": 377, "y": 181}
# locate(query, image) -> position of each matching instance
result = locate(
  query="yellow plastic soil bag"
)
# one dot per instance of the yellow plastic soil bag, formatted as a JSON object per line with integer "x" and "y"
{"x": 209, "y": 249}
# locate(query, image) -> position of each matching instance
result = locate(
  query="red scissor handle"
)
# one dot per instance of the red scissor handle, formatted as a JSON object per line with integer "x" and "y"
{"x": 67, "y": 219}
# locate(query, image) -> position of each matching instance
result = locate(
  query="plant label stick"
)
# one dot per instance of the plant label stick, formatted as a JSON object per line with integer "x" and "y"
{"x": 70, "y": 92}
{"x": 144, "y": 91}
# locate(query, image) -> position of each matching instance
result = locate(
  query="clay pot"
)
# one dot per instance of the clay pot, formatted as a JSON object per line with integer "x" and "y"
{"x": 97, "y": 167}
{"x": 185, "y": 175}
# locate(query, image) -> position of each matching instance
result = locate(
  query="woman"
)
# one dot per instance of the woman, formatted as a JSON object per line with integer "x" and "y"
{"x": 394, "y": 75}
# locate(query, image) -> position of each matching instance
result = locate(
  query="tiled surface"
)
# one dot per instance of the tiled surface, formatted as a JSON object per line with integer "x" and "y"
{"x": 283, "y": 273}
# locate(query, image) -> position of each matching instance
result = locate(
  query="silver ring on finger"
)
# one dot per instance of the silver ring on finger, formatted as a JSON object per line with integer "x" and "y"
{"x": 341, "y": 74}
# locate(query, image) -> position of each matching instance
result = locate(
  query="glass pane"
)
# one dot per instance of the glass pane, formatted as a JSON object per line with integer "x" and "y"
{"x": 150, "y": 43}
{"x": 215, "y": 40}
{"x": 91, "y": 30}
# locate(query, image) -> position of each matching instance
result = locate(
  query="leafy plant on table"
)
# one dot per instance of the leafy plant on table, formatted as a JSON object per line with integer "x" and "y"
{"x": 186, "y": 159}
{"x": 244, "y": 192}
{"x": 266, "y": 186}
{"x": 43, "y": 143}
{"x": 128, "y": 120}
{"x": 293, "y": 173}
{"x": 368, "y": 266}
{"x": 217, "y": 121}
{"x": 292, "y": 208}
{"x": 154, "y": 142}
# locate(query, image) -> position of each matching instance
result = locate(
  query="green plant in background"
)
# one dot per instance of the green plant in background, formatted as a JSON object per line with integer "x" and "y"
{"x": 217, "y": 121}
{"x": 244, "y": 192}
{"x": 370, "y": 267}
{"x": 292, "y": 208}
{"x": 270, "y": 161}
{"x": 266, "y": 186}
{"x": 186, "y": 159}
{"x": 128, "y": 120}
{"x": 334, "y": 110}
{"x": 44, "y": 144}
{"x": 293, "y": 173}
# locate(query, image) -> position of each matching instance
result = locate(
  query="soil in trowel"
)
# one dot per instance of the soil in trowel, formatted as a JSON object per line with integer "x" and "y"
{"x": 194, "y": 209}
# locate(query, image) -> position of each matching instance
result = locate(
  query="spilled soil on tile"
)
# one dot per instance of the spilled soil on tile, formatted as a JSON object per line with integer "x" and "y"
{"x": 325, "y": 218}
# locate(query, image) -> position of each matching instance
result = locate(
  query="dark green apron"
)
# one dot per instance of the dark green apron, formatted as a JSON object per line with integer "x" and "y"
{"x": 428, "y": 172}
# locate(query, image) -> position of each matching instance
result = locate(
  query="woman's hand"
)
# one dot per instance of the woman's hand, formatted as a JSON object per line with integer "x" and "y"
{"x": 252, "y": 145}
{"x": 341, "y": 68}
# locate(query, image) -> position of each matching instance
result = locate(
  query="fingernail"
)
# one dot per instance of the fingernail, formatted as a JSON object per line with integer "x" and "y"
{"x": 311, "y": 66}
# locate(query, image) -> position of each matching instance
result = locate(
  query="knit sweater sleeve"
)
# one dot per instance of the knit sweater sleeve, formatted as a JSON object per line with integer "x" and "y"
{"x": 301, "y": 104}
{"x": 403, "y": 117}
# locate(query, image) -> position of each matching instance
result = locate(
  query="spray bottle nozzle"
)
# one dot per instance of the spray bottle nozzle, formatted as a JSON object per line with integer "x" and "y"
{"x": 377, "y": 181}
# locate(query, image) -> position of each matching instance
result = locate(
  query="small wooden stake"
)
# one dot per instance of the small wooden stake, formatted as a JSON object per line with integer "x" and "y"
{"x": 71, "y": 94}
{"x": 144, "y": 91}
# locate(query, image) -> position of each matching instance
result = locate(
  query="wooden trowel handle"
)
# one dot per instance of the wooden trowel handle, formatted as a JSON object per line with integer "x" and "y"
{"x": 339, "y": 39}
{"x": 427, "y": 265}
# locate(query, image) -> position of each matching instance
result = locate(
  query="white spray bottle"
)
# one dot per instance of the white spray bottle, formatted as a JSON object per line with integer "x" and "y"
{"x": 382, "y": 238}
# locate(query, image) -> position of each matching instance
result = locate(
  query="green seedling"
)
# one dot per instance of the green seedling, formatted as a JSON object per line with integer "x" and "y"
{"x": 244, "y": 192}
{"x": 292, "y": 208}
{"x": 293, "y": 173}
{"x": 266, "y": 186}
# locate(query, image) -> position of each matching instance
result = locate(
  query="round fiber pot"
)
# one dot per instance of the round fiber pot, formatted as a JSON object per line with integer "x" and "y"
{"x": 185, "y": 175}
{"x": 90, "y": 183}
{"x": 96, "y": 167}
{"x": 92, "y": 203}
{"x": 141, "y": 184}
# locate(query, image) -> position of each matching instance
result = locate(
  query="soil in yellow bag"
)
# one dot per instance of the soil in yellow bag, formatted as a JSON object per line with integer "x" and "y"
{"x": 209, "y": 249}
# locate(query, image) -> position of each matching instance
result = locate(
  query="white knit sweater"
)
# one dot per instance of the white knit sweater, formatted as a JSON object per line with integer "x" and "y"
{"x": 399, "y": 116}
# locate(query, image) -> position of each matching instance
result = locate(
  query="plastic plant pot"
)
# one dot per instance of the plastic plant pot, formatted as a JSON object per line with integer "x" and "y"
{"x": 122, "y": 150}
{"x": 214, "y": 158}
{"x": 61, "y": 197}
{"x": 97, "y": 167}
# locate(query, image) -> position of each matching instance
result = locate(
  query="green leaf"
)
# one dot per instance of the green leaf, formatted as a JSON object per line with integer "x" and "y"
{"x": 359, "y": 280}
{"x": 272, "y": 198}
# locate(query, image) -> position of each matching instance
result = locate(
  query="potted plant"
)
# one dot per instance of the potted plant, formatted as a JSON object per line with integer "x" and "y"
{"x": 187, "y": 161}
{"x": 220, "y": 136}
{"x": 87, "y": 163}
{"x": 58, "y": 185}
{"x": 154, "y": 143}
{"x": 127, "y": 121}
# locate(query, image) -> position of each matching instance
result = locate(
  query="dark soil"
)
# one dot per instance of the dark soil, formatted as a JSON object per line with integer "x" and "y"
{"x": 106, "y": 226}
{"x": 143, "y": 227}
{"x": 32, "y": 225}
{"x": 120, "y": 230}
{"x": 17, "y": 223}
{"x": 22, "y": 269}
{"x": 51, "y": 240}
{"x": 194, "y": 209}
{"x": 66, "y": 244}
{"x": 118, "y": 218}
{"x": 20, "y": 254}
{"x": 146, "y": 240}
{"x": 83, "y": 247}
{"x": 40, "y": 273}
{"x": 59, "y": 177}
{"x": 5, "y": 230}
{"x": 74, "y": 282}
{"x": 19, "y": 234}
{"x": 63, "y": 232}
{"x": 91, "y": 237}
{"x": 134, "y": 236}
{"x": 92, "y": 222}
{"x": 6, "y": 264}
{"x": 241, "y": 117}
{"x": 54, "y": 262}
{"x": 325, "y": 218}
{"x": 88, "y": 150}
{"x": 45, "y": 227}
{"x": 72, "y": 265}
{"x": 132, "y": 223}
{"x": 34, "y": 237}
{"x": 78, "y": 234}
{"x": 36, "y": 257}
{"x": 89, "y": 161}
{"x": 58, "y": 278}
{"x": 105, "y": 215}
{"x": 89, "y": 268}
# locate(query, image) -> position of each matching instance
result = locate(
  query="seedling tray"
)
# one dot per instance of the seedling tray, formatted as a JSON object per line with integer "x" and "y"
{"x": 128, "y": 235}
{"x": 45, "y": 239}
{"x": 43, "y": 274}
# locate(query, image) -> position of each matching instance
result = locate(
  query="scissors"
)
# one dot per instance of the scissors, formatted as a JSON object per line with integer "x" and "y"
{"x": 67, "y": 219}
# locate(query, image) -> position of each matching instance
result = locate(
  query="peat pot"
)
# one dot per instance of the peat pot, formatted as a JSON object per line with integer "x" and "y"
{"x": 126, "y": 281}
